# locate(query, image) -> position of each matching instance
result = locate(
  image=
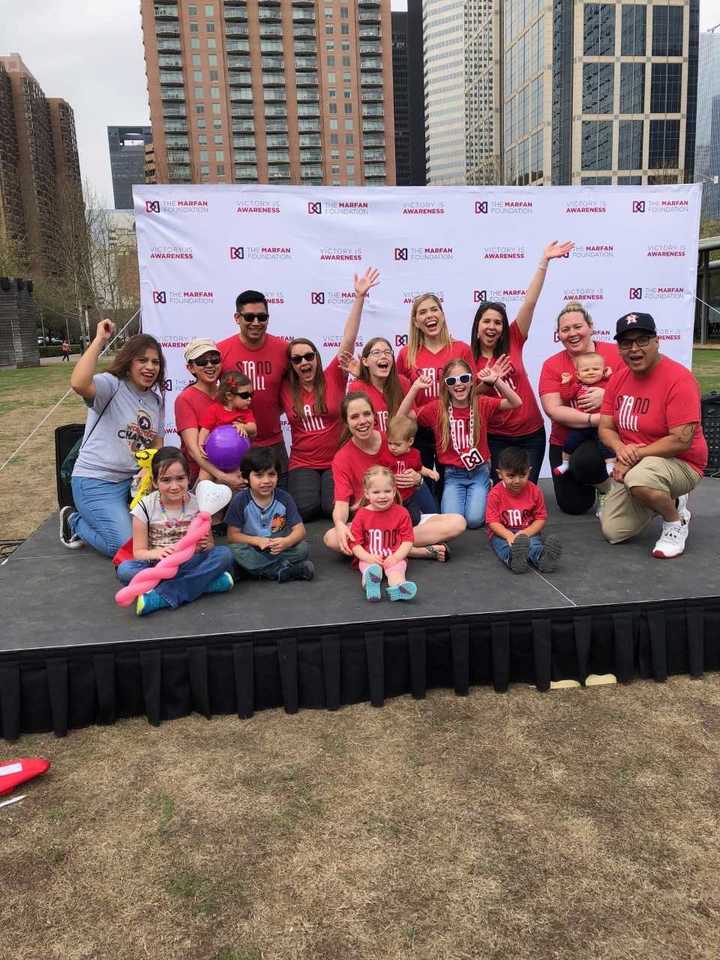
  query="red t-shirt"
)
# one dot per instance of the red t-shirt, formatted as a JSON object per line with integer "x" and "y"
{"x": 432, "y": 365}
{"x": 377, "y": 398}
{"x": 526, "y": 419}
{"x": 382, "y": 531}
{"x": 515, "y": 511}
{"x": 574, "y": 389}
{"x": 560, "y": 363}
{"x": 350, "y": 465}
{"x": 408, "y": 461}
{"x": 217, "y": 416}
{"x": 190, "y": 407}
{"x": 644, "y": 409}
{"x": 460, "y": 433}
{"x": 315, "y": 436}
{"x": 266, "y": 368}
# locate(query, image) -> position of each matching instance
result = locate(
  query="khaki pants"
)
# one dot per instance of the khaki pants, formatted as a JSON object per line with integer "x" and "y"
{"x": 622, "y": 515}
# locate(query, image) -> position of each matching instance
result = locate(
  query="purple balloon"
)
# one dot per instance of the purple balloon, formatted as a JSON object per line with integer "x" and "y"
{"x": 225, "y": 448}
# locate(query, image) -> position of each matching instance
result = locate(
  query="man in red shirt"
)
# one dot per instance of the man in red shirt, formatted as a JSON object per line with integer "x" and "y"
{"x": 264, "y": 359}
{"x": 651, "y": 418}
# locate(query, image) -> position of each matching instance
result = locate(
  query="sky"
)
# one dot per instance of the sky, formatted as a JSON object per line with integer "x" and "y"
{"x": 90, "y": 53}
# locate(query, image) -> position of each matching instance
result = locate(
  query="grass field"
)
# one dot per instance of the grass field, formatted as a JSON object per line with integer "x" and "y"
{"x": 575, "y": 825}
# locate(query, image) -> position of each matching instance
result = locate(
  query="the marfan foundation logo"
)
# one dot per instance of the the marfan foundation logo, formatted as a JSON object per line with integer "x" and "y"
{"x": 584, "y": 294}
{"x": 660, "y": 206}
{"x": 594, "y": 251}
{"x": 503, "y": 253}
{"x": 410, "y": 296}
{"x": 314, "y": 206}
{"x": 635, "y": 293}
{"x": 261, "y": 253}
{"x": 500, "y": 295}
{"x": 423, "y": 209}
{"x": 176, "y": 206}
{"x": 590, "y": 206}
{"x": 339, "y": 208}
{"x": 513, "y": 208}
{"x": 342, "y": 254}
{"x": 423, "y": 253}
{"x": 401, "y": 339}
{"x": 171, "y": 253}
{"x": 332, "y": 297}
{"x": 258, "y": 206}
{"x": 195, "y": 297}
{"x": 659, "y": 293}
{"x": 665, "y": 250}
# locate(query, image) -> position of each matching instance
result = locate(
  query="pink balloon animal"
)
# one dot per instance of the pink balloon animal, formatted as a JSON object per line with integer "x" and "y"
{"x": 214, "y": 497}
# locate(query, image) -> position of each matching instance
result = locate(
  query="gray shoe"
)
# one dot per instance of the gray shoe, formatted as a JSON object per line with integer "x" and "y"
{"x": 519, "y": 550}
{"x": 550, "y": 555}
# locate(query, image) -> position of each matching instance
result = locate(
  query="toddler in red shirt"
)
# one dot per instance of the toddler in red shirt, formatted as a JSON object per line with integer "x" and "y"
{"x": 590, "y": 371}
{"x": 417, "y": 499}
{"x": 383, "y": 537}
{"x": 516, "y": 514}
{"x": 231, "y": 405}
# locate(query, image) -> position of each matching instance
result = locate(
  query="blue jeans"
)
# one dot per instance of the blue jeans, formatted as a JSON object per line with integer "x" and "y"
{"x": 502, "y": 549}
{"x": 103, "y": 519}
{"x": 465, "y": 492}
{"x": 191, "y": 580}
{"x": 265, "y": 565}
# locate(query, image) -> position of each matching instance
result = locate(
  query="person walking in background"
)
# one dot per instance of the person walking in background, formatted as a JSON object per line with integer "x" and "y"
{"x": 65, "y": 351}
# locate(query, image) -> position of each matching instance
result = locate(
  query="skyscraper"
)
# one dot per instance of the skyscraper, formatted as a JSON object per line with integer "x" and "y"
{"x": 599, "y": 92}
{"x": 707, "y": 146}
{"x": 269, "y": 91}
{"x": 408, "y": 90}
{"x": 127, "y": 161}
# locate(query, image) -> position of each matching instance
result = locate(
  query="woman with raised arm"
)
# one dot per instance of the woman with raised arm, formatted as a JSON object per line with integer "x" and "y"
{"x": 499, "y": 344}
{"x": 125, "y": 416}
{"x": 311, "y": 398}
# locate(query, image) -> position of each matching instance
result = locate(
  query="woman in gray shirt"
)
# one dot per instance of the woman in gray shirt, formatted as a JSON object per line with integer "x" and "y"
{"x": 126, "y": 414}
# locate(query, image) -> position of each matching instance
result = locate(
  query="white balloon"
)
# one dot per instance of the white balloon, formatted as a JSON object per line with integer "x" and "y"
{"x": 211, "y": 496}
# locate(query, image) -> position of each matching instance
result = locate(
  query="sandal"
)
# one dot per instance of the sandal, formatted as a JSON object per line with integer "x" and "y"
{"x": 433, "y": 552}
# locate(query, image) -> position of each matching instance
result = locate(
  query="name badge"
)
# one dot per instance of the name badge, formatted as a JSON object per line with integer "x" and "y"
{"x": 472, "y": 458}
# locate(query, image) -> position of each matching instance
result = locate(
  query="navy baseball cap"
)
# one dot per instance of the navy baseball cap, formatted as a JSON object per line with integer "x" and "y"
{"x": 635, "y": 321}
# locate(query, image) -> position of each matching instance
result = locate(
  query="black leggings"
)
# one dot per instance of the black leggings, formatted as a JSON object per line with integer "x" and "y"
{"x": 574, "y": 489}
{"x": 532, "y": 443}
{"x": 313, "y": 491}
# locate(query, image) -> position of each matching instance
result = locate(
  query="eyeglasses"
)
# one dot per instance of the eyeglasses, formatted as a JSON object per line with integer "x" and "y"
{"x": 377, "y": 354}
{"x": 257, "y": 317}
{"x": 208, "y": 360}
{"x": 630, "y": 342}
{"x": 298, "y": 358}
{"x": 244, "y": 394}
{"x": 463, "y": 378}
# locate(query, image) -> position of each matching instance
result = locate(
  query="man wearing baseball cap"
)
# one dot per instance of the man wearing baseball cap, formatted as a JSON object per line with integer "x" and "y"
{"x": 202, "y": 357}
{"x": 651, "y": 418}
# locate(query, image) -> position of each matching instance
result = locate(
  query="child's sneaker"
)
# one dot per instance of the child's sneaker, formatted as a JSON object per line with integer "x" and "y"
{"x": 67, "y": 538}
{"x": 672, "y": 540}
{"x": 519, "y": 550}
{"x": 220, "y": 584}
{"x": 402, "y": 591}
{"x": 305, "y": 570}
{"x": 150, "y": 602}
{"x": 371, "y": 581}
{"x": 550, "y": 555}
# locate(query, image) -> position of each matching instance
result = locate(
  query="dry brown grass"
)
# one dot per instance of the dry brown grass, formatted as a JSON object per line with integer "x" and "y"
{"x": 578, "y": 824}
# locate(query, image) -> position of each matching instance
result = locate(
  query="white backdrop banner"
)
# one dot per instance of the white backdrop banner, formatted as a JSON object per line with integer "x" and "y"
{"x": 200, "y": 245}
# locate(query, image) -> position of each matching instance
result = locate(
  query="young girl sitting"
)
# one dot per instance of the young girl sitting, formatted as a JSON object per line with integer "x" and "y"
{"x": 232, "y": 405}
{"x": 459, "y": 420}
{"x": 590, "y": 371}
{"x": 383, "y": 537}
{"x": 160, "y": 520}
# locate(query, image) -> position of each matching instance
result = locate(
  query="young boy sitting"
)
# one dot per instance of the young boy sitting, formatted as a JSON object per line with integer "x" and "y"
{"x": 400, "y": 436}
{"x": 590, "y": 371}
{"x": 265, "y": 531}
{"x": 516, "y": 514}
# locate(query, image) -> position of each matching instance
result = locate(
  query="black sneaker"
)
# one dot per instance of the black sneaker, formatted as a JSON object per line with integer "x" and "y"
{"x": 550, "y": 555}
{"x": 519, "y": 550}
{"x": 296, "y": 571}
{"x": 67, "y": 537}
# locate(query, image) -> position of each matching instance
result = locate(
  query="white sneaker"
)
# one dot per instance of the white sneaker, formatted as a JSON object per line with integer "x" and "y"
{"x": 672, "y": 540}
{"x": 68, "y": 539}
{"x": 682, "y": 508}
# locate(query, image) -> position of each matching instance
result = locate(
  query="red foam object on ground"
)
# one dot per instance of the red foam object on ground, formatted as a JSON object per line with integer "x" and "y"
{"x": 15, "y": 772}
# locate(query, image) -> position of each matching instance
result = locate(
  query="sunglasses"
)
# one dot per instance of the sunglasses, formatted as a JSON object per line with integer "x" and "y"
{"x": 463, "y": 378}
{"x": 209, "y": 360}
{"x": 243, "y": 394}
{"x": 258, "y": 317}
{"x": 298, "y": 358}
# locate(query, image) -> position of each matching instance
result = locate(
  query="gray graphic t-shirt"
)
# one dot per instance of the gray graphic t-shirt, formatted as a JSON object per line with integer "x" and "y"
{"x": 131, "y": 420}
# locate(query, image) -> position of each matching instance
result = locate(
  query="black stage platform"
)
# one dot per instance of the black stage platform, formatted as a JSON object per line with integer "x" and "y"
{"x": 69, "y": 656}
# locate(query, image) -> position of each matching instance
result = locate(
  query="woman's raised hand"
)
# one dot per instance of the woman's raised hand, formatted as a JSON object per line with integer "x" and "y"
{"x": 368, "y": 280}
{"x": 349, "y": 363}
{"x": 498, "y": 370}
{"x": 555, "y": 249}
{"x": 104, "y": 332}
